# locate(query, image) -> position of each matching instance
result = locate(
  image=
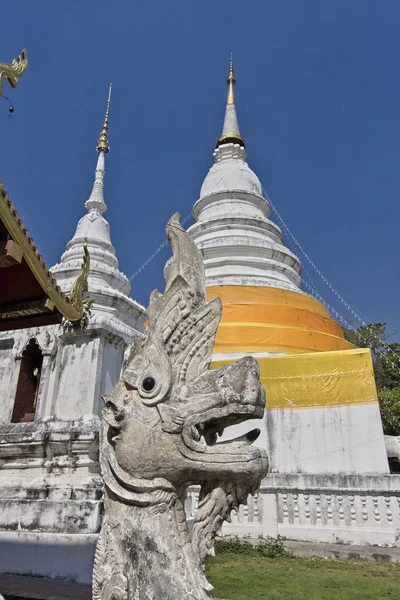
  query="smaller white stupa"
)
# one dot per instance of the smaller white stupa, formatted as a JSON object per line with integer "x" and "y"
{"x": 108, "y": 287}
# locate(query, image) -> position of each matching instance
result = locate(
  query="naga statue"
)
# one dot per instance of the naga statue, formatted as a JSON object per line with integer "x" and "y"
{"x": 159, "y": 435}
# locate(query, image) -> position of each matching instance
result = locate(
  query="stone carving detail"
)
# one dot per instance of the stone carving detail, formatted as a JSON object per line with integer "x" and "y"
{"x": 376, "y": 512}
{"x": 46, "y": 340}
{"x": 159, "y": 436}
{"x": 341, "y": 509}
{"x": 307, "y": 510}
{"x": 364, "y": 509}
{"x": 329, "y": 510}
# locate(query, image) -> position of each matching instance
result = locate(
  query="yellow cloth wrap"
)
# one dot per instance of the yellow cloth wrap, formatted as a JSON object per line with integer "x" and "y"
{"x": 254, "y": 294}
{"x": 262, "y": 319}
{"x": 312, "y": 380}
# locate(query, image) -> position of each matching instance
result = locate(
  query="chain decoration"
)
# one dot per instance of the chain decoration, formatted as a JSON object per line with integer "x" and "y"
{"x": 344, "y": 321}
{"x": 160, "y": 247}
{"x": 331, "y": 287}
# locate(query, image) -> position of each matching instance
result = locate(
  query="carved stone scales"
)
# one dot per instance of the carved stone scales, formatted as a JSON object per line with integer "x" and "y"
{"x": 159, "y": 436}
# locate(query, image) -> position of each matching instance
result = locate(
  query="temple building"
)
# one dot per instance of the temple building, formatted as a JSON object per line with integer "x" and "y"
{"x": 329, "y": 479}
{"x": 322, "y": 426}
{"x": 52, "y": 381}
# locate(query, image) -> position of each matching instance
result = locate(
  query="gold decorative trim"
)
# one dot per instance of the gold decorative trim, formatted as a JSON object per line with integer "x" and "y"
{"x": 34, "y": 260}
{"x": 102, "y": 145}
{"x": 12, "y": 72}
{"x": 234, "y": 138}
{"x": 81, "y": 284}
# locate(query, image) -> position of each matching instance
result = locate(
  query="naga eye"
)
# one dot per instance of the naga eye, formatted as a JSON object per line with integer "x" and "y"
{"x": 148, "y": 384}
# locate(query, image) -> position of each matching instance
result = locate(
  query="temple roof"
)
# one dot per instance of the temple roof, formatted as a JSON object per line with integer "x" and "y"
{"x": 29, "y": 294}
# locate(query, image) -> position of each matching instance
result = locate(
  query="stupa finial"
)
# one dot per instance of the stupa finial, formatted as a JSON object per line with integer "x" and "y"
{"x": 231, "y": 81}
{"x": 102, "y": 145}
{"x": 96, "y": 199}
{"x": 230, "y": 130}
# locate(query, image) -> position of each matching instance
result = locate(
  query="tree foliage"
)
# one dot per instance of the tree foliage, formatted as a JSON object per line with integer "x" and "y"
{"x": 389, "y": 403}
{"x": 386, "y": 360}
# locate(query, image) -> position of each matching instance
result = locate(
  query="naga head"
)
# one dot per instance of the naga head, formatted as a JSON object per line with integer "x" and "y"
{"x": 161, "y": 422}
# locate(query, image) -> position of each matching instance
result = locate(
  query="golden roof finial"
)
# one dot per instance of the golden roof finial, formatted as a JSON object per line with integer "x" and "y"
{"x": 102, "y": 145}
{"x": 231, "y": 81}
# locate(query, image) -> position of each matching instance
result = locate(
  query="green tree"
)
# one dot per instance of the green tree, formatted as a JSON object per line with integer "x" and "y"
{"x": 389, "y": 404}
{"x": 386, "y": 360}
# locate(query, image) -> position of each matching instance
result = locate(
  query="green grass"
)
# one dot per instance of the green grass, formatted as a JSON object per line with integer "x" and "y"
{"x": 239, "y": 577}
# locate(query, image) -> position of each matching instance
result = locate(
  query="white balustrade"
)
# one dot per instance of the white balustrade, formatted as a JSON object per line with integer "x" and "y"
{"x": 346, "y": 509}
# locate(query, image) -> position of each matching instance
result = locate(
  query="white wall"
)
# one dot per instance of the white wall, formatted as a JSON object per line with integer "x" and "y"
{"x": 8, "y": 377}
{"x": 332, "y": 439}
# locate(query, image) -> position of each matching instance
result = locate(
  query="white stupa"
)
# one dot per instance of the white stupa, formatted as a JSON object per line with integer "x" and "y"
{"x": 248, "y": 266}
{"x": 108, "y": 287}
{"x": 329, "y": 477}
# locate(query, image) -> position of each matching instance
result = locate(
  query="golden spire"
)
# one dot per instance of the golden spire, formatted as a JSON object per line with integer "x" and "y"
{"x": 230, "y": 130}
{"x": 102, "y": 145}
{"x": 231, "y": 81}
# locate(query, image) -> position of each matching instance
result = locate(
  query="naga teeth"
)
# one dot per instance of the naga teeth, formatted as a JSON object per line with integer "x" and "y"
{"x": 220, "y": 432}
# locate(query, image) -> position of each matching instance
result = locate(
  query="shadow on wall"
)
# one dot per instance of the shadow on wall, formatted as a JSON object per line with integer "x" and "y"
{"x": 27, "y": 556}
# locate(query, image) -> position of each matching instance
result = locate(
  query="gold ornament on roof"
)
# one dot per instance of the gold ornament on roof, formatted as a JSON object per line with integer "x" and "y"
{"x": 102, "y": 145}
{"x": 12, "y": 72}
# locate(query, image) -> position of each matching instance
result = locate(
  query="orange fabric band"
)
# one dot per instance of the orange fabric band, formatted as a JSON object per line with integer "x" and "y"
{"x": 262, "y": 337}
{"x": 252, "y": 294}
{"x": 280, "y": 315}
{"x": 261, "y": 319}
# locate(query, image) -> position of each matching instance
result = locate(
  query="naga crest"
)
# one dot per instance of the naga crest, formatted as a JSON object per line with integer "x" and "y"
{"x": 160, "y": 435}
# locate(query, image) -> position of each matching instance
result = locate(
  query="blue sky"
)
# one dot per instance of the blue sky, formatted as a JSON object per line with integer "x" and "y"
{"x": 318, "y": 96}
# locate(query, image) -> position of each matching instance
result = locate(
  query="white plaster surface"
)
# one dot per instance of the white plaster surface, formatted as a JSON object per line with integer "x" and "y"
{"x": 231, "y": 125}
{"x": 7, "y": 376}
{"x": 57, "y": 556}
{"x": 334, "y": 439}
{"x": 240, "y": 245}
